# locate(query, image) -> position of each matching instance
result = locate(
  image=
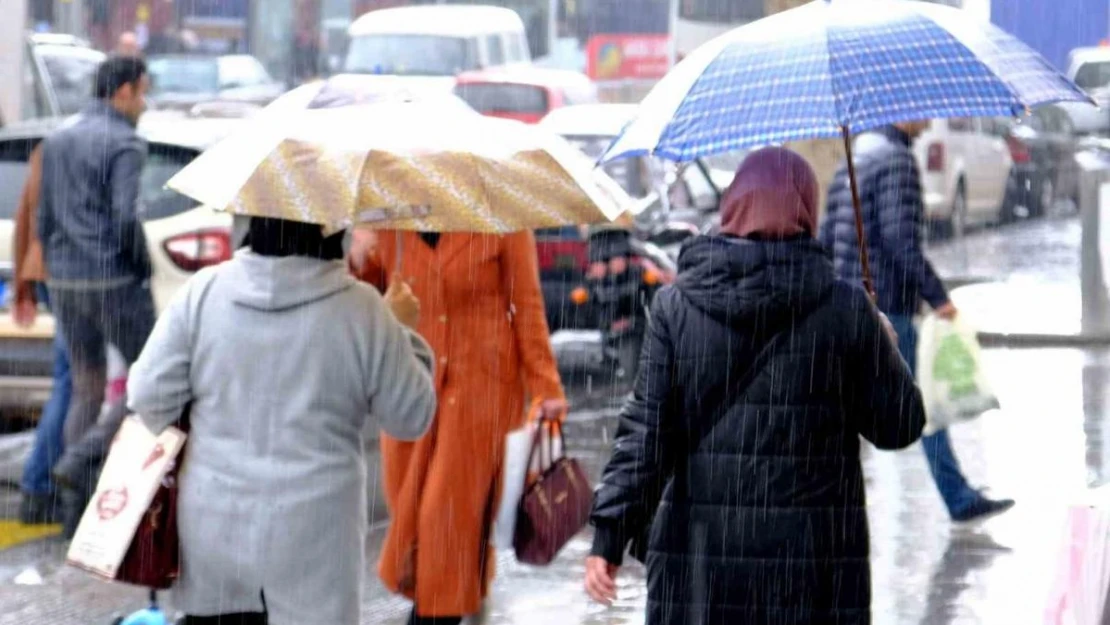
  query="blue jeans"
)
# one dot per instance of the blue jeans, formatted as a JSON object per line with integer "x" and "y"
{"x": 950, "y": 481}
{"x": 48, "y": 444}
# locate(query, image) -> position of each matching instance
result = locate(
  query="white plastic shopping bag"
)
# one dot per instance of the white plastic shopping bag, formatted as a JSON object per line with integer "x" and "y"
{"x": 950, "y": 374}
{"x": 515, "y": 476}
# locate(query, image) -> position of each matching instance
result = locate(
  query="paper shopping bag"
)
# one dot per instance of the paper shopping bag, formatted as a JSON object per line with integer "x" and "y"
{"x": 133, "y": 472}
{"x": 950, "y": 374}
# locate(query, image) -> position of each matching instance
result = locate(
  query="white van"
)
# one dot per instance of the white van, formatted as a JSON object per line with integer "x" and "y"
{"x": 435, "y": 43}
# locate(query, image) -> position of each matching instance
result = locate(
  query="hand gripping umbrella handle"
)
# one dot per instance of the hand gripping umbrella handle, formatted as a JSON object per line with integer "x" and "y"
{"x": 864, "y": 261}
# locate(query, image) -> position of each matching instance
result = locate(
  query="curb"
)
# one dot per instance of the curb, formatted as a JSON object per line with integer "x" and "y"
{"x": 1032, "y": 341}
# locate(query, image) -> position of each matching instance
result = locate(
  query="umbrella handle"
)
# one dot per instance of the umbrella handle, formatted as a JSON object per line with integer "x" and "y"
{"x": 398, "y": 253}
{"x": 864, "y": 261}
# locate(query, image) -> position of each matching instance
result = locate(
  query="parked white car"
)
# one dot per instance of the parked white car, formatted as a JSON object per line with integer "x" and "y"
{"x": 182, "y": 237}
{"x": 1089, "y": 68}
{"x": 964, "y": 172}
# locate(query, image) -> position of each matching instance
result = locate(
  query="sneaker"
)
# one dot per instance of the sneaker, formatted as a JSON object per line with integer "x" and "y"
{"x": 982, "y": 509}
{"x": 39, "y": 510}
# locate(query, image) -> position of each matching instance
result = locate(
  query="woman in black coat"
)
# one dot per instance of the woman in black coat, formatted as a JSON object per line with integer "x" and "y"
{"x": 736, "y": 474}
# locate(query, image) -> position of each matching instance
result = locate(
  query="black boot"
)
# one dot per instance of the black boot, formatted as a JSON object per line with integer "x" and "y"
{"x": 39, "y": 509}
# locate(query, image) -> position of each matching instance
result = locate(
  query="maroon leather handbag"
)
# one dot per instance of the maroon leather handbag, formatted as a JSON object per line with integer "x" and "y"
{"x": 154, "y": 557}
{"x": 555, "y": 507}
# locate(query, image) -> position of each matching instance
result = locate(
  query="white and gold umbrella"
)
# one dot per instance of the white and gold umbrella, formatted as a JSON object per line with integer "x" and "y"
{"x": 333, "y": 155}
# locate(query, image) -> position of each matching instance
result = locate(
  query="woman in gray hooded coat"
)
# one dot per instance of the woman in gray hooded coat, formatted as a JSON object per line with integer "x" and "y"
{"x": 282, "y": 357}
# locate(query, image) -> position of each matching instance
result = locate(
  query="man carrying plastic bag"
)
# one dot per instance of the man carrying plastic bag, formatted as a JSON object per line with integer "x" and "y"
{"x": 950, "y": 374}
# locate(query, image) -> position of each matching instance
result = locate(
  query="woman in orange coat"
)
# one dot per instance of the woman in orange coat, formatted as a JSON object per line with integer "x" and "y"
{"x": 482, "y": 313}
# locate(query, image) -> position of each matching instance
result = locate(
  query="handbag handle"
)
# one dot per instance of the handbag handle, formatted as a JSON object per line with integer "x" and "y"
{"x": 556, "y": 430}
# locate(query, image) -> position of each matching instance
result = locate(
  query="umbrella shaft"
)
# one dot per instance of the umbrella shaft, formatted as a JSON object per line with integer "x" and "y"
{"x": 864, "y": 261}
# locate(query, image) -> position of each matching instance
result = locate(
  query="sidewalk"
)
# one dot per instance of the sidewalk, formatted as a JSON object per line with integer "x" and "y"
{"x": 1021, "y": 283}
{"x": 1045, "y": 447}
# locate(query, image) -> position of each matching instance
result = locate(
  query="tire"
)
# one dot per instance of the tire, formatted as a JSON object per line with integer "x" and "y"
{"x": 1015, "y": 201}
{"x": 958, "y": 222}
{"x": 1043, "y": 197}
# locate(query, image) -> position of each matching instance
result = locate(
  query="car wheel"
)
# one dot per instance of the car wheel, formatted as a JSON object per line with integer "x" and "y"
{"x": 1014, "y": 201}
{"x": 1045, "y": 198}
{"x": 959, "y": 211}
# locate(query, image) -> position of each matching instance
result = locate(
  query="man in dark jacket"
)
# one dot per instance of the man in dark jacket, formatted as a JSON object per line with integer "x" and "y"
{"x": 94, "y": 248}
{"x": 740, "y": 446}
{"x": 893, "y": 213}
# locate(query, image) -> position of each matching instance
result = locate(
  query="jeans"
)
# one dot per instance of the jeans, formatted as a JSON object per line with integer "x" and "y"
{"x": 47, "y": 447}
{"x": 92, "y": 318}
{"x": 950, "y": 481}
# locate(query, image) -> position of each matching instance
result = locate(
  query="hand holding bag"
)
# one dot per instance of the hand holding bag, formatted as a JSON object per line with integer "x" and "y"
{"x": 128, "y": 532}
{"x": 950, "y": 374}
{"x": 556, "y": 506}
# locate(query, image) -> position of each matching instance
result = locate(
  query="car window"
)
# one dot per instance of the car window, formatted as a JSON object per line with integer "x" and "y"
{"x": 517, "y": 49}
{"x": 637, "y": 176}
{"x": 71, "y": 76}
{"x": 699, "y": 188}
{"x": 183, "y": 75}
{"x": 490, "y": 98}
{"x": 162, "y": 162}
{"x": 495, "y": 50}
{"x": 580, "y": 94}
{"x": 14, "y": 154}
{"x": 562, "y": 233}
{"x": 961, "y": 124}
{"x": 1053, "y": 119}
{"x": 411, "y": 55}
{"x": 33, "y": 106}
{"x": 1093, "y": 76}
{"x": 241, "y": 71}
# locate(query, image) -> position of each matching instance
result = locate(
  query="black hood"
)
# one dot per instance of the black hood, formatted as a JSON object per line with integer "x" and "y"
{"x": 734, "y": 280}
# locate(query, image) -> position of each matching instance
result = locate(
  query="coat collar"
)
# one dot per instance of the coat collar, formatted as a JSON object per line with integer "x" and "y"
{"x": 895, "y": 134}
{"x": 450, "y": 246}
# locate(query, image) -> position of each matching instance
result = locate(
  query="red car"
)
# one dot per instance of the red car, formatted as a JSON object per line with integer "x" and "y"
{"x": 524, "y": 93}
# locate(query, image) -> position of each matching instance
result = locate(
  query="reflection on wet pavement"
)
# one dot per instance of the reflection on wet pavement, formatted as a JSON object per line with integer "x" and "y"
{"x": 1045, "y": 447}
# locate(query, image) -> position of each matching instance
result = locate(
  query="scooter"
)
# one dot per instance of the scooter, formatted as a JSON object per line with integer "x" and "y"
{"x": 623, "y": 276}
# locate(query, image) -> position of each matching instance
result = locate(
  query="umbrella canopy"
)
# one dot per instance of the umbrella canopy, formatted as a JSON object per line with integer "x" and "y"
{"x": 336, "y": 155}
{"x": 834, "y": 67}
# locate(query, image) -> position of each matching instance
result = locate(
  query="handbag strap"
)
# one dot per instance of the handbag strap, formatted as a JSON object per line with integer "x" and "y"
{"x": 537, "y": 440}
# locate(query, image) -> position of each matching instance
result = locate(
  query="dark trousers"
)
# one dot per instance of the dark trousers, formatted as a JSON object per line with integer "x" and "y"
{"x": 238, "y": 618}
{"x": 91, "y": 318}
{"x": 243, "y": 618}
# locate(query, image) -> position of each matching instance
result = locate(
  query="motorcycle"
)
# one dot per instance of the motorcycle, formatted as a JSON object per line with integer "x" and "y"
{"x": 623, "y": 276}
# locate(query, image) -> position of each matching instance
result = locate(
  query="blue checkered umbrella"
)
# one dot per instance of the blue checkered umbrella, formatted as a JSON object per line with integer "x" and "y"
{"x": 833, "y": 67}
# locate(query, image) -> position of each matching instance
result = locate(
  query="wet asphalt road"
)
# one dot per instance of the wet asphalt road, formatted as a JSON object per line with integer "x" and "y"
{"x": 1045, "y": 447}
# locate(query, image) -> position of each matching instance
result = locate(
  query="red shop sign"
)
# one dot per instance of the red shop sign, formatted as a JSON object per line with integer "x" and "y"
{"x": 614, "y": 57}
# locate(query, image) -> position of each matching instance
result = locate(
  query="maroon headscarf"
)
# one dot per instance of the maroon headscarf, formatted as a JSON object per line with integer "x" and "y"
{"x": 774, "y": 196}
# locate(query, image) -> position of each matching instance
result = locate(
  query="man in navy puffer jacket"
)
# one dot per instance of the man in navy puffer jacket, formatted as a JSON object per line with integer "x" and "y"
{"x": 893, "y": 212}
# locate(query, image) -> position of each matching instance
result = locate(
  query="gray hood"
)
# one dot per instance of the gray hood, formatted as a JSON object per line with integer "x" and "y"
{"x": 274, "y": 284}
